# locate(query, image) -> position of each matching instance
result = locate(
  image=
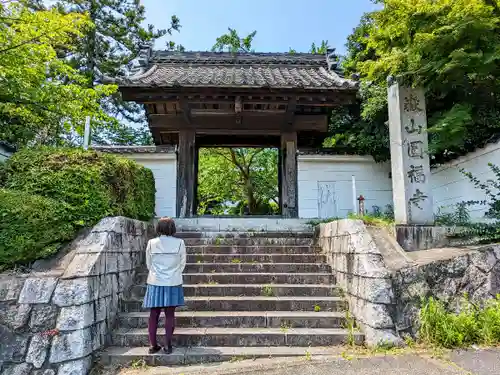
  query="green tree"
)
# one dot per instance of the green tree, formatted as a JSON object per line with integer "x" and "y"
{"x": 245, "y": 177}
{"x": 114, "y": 43}
{"x": 122, "y": 134}
{"x": 450, "y": 47}
{"x": 232, "y": 42}
{"x": 41, "y": 95}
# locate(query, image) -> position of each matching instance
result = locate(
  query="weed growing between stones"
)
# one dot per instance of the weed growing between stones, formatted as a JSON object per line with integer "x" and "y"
{"x": 267, "y": 291}
{"x": 472, "y": 325}
{"x": 138, "y": 364}
{"x": 350, "y": 327}
{"x": 308, "y": 356}
{"x": 285, "y": 326}
{"x": 317, "y": 308}
{"x": 235, "y": 261}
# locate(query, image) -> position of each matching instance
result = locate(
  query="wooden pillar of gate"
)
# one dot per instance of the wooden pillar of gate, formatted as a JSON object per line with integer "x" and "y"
{"x": 186, "y": 173}
{"x": 288, "y": 171}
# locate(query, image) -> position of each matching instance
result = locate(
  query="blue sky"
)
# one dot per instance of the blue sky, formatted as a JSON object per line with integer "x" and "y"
{"x": 280, "y": 24}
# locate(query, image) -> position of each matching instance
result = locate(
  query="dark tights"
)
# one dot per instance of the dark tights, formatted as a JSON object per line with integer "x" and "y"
{"x": 154, "y": 316}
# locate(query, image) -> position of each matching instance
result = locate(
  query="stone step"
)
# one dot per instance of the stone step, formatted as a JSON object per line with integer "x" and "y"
{"x": 256, "y": 258}
{"x": 314, "y": 290}
{"x": 116, "y": 355}
{"x": 188, "y": 337}
{"x": 249, "y": 241}
{"x": 251, "y": 278}
{"x": 251, "y": 303}
{"x": 242, "y": 319}
{"x": 262, "y": 249}
{"x": 257, "y": 267}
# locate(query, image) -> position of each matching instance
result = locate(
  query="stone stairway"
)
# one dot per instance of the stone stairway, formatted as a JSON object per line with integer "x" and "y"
{"x": 247, "y": 295}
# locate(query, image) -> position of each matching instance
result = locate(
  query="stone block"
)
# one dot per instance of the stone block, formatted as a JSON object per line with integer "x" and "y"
{"x": 94, "y": 242}
{"x": 112, "y": 261}
{"x": 484, "y": 260}
{"x": 125, "y": 262}
{"x": 371, "y": 314}
{"x": 98, "y": 333}
{"x": 43, "y": 318}
{"x": 38, "y": 290}
{"x": 381, "y": 337}
{"x": 369, "y": 265}
{"x": 10, "y": 288}
{"x": 105, "y": 285}
{"x": 82, "y": 265}
{"x": 71, "y": 345}
{"x": 76, "y": 317}
{"x": 20, "y": 369}
{"x": 494, "y": 280}
{"x": 78, "y": 367}
{"x": 75, "y": 291}
{"x": 14, "y": 316}
{"x": 44, "y": 372}
{"x": 372, "y": 289}
{"x": 13, "y": 346}
{"x": 37, "y": 351}
{"x": 102, "y": 306}
{"x": 125, "y": 280}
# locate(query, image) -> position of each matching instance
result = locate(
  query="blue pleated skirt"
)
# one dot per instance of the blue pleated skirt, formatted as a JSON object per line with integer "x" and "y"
{"x": 163, "y": 296}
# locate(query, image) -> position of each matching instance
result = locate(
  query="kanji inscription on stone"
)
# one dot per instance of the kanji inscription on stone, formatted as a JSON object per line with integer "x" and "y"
{"x": 415, "y": 149}
{"x": 416, "y": 174}
{"x": 413, "y": 128}
{"x": 418, "y": 198}
{"x": 410, "y": 164}
{"x": 412, "y": 103}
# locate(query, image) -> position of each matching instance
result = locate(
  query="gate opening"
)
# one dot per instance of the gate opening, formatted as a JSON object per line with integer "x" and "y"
{"x": 237, "y": 181}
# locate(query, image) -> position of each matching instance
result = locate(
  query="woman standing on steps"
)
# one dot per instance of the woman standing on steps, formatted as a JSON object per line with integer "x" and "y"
{"x": 165, "y": 259}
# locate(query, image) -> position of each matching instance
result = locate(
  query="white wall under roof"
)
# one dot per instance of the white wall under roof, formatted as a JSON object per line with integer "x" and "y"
{"x": 450, "y": 186}
{"x": 164, "y": 168}
{"x": 325, "y": 184}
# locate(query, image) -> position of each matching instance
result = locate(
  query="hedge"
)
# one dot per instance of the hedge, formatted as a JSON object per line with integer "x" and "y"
{"x": 96, "y": 185}
{"x": 32, "y": 227}
{"x": 51, "y": 193}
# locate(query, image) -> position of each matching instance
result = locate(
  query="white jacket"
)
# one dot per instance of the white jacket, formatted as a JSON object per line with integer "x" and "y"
{"x": 165, "y": 259}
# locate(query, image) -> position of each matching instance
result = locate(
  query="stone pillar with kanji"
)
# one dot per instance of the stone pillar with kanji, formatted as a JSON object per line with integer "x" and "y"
{"x": 410, "y": 164}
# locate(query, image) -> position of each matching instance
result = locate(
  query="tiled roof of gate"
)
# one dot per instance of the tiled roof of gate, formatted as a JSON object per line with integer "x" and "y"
{"x": 135, "y": 149}
{"x": 249, "y": 70}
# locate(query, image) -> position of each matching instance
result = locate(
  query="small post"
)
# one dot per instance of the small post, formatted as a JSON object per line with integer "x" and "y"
{"x": 361, "y": 201}
{"x": 86, "y": 133}
{"x": 354, "y": 203}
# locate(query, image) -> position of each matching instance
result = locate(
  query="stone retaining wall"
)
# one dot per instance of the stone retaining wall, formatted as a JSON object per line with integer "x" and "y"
{"x": 51, "y": 323}
{"x": 384, "y": 286}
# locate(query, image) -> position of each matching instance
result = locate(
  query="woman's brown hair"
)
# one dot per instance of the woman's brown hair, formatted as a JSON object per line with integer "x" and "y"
{"x": 165, "y": 227}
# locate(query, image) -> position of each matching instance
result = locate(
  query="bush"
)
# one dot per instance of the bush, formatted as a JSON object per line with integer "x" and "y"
{"x": 95, "y": 185}
{"x": 32, "y": 227}
{"x": 473, "y": 325}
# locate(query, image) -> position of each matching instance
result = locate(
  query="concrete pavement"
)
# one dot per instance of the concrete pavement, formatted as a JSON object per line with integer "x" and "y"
{"x": 461, "y": 362}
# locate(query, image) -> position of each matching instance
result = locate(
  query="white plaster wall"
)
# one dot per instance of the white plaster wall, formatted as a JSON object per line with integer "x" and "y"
{"x": 372, "y": 181}
{"x": 164, "y": 168}
{"x": 450, "y": 186}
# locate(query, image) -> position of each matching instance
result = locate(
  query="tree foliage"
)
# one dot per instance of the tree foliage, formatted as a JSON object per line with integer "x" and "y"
{"x": 239, "y": 178}
{"x": 450, "y": 47}
{"x": 109, "y": 48}
{"x": 232, "y": 42}
{"x": 41, "y": 95}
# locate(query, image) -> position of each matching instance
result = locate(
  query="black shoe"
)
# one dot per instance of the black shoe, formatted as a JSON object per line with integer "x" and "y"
{"x": 154, "y": 349}
{"x": 168, "y": 349}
